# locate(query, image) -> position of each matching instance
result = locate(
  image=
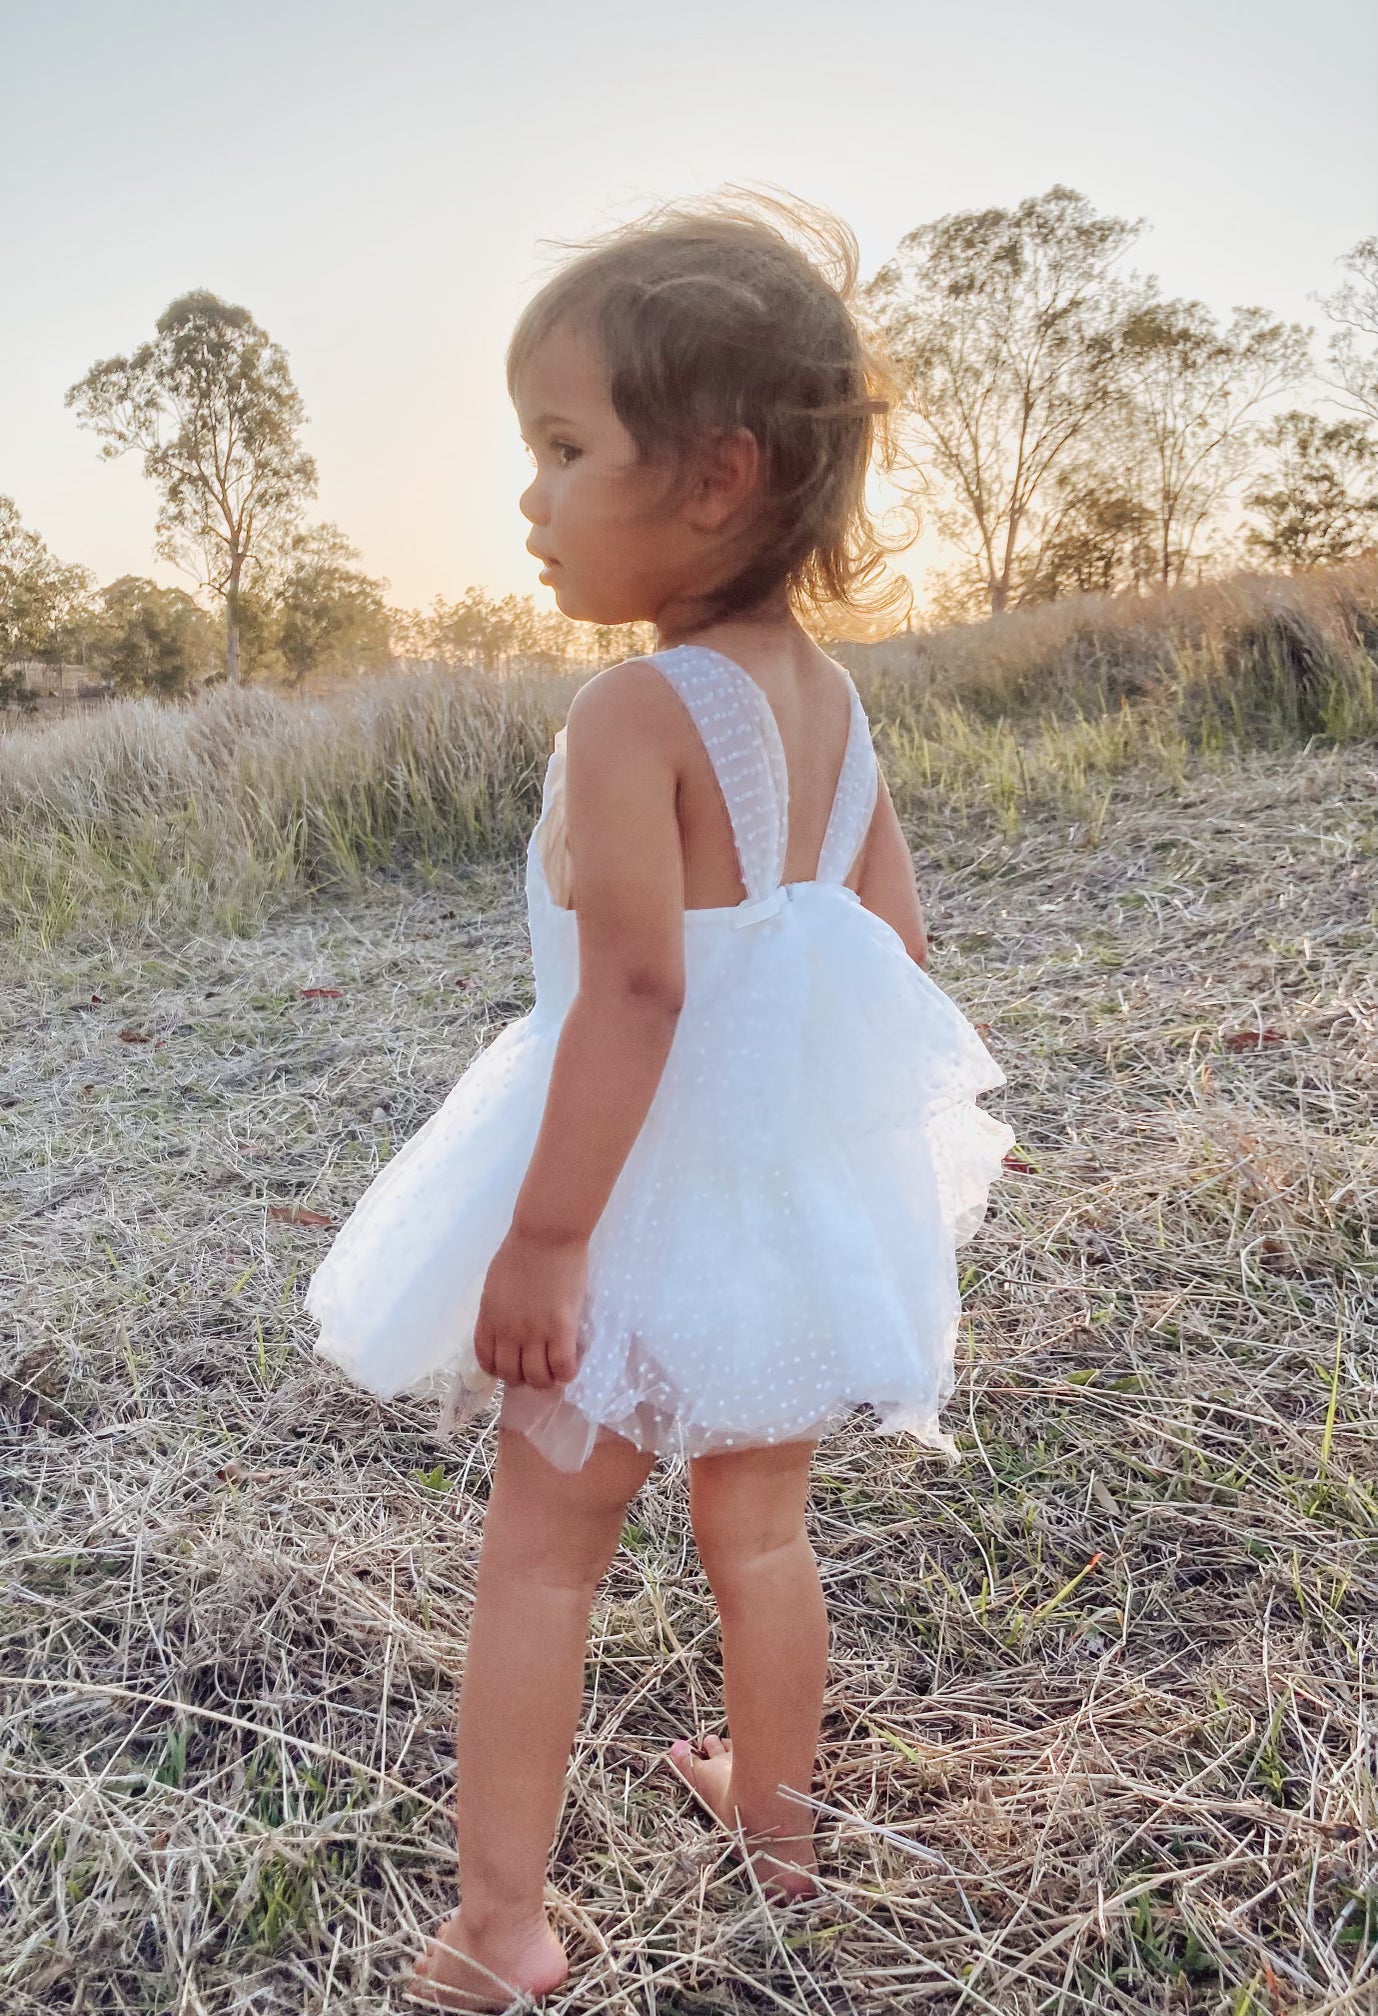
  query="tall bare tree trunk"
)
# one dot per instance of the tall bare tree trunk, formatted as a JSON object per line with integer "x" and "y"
{"x": 232, "y": 625}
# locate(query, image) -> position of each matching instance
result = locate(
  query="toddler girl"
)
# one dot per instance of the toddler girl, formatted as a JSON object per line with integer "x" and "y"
{"x": 704, "y": 1199}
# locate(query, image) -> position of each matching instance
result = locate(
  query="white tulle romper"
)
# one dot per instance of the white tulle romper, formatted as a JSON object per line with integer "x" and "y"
{"x": 779, "y": 1247}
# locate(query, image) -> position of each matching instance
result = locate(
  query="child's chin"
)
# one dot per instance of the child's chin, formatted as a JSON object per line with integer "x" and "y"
{"x": 584, "y": 608}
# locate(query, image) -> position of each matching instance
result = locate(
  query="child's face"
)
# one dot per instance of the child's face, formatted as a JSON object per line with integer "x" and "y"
{"x": 613, "y": 556}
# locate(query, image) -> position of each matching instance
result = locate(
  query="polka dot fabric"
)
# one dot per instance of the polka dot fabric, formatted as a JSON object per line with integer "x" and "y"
{"x": 779, "y": 1247}
{"x": 737, "y": 727}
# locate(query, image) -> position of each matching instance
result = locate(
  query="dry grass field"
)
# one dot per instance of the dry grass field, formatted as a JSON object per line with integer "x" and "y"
{"x": 1101, "y": 1721}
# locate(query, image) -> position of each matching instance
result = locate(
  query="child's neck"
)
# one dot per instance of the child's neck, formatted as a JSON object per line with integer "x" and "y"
{"x": 772, "y": 622}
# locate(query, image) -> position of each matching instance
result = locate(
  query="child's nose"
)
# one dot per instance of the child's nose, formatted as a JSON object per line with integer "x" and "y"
{"x": 530, "y": 502}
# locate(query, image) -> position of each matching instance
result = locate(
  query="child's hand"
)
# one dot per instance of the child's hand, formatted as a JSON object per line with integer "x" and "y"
{"x": 528, "y": 1314}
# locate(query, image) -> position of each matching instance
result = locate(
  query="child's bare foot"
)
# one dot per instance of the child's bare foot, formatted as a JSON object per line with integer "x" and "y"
{"x": 460, "y": 1971}
{"x": 709, "y": 1777}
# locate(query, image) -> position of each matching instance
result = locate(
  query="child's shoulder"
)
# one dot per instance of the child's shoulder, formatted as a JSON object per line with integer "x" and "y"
{"x": 629, "y": 698}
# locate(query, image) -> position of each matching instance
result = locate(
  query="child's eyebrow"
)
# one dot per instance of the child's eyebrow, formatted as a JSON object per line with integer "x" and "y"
{"x": 552, "y": 420}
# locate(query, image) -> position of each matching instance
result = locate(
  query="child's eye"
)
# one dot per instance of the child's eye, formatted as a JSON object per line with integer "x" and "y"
{"x": 560, "y": 448}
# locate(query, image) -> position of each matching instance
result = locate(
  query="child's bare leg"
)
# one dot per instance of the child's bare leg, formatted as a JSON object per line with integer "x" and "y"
{"x": 747, "y": 1509}
{"x": 548, "y": 1538}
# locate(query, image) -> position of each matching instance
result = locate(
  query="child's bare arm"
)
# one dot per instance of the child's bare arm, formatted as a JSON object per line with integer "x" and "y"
{"x": 888, "y": 884}
{"x": 620, "y": 784}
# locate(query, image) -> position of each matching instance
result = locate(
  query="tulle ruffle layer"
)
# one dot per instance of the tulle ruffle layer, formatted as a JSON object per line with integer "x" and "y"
{"x": 779, "y": 1248}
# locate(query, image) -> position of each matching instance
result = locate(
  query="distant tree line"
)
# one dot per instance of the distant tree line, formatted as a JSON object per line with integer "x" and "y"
{"x": 1073, "y": 431}
{"x": 499, "y": 632}
{"x": 312, "y": 612}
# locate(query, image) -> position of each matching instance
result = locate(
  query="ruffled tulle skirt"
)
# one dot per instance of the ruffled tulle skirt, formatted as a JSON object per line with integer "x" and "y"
{"x": 780, "y": 1246}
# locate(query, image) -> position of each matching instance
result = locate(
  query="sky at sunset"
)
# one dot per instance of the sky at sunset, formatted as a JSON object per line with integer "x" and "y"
{"x": 373, "y": 183}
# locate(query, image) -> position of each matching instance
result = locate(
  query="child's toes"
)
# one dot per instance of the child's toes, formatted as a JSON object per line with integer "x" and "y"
{"x": 717, "y": 1746}
{"x": 681, "y": 1760}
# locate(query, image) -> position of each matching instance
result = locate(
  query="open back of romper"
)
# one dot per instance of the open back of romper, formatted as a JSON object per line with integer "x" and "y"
{"x": 741, "y": 737}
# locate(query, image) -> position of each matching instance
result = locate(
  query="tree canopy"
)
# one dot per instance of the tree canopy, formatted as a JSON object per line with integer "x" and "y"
{"x": 1353, "y": 353}
{"x": 1322, "y": 502}
{"x": 147, "y": 639}
{"x": 1189, "y": 390}
{"x": 332, "y": 617}
{"x": 39, "y": 596}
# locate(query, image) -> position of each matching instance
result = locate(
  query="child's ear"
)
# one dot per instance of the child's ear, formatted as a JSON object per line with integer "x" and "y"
{"x": 728, "y": 474}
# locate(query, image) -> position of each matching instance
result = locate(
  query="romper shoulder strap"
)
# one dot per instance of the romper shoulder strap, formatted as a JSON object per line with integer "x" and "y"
{"x": 725, "y": 706}
{"x": 858, "y": 786}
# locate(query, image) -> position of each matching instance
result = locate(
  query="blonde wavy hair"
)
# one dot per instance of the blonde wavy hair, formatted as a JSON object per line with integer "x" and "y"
{"x": 739, "y": 310}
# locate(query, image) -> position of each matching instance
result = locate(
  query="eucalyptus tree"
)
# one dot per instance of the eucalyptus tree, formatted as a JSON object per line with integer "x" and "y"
{"x": 1191, "y": 391}
{"x": 1354, "y": 345}
{"x": 211, "y": 406}
{"x": 1005, "y": 326}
